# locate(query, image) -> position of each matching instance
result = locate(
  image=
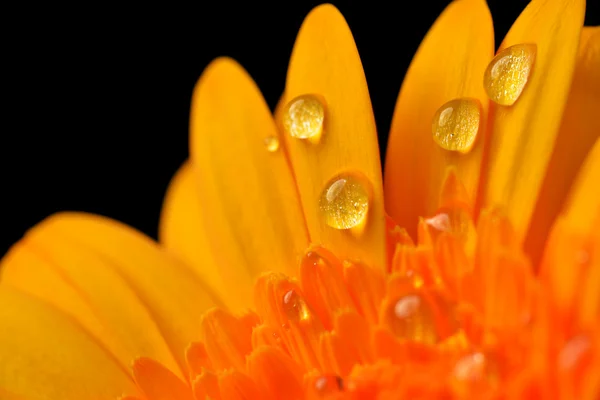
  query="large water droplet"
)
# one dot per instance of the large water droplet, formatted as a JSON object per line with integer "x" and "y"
{"x": 295, "y": 307}
{"x": 344, "y": 202}
{"x": 271, "y": 143}
{"x": 508, "y": 73}
{"x": 303, "y": 117}
{"x": 456, "y": 123}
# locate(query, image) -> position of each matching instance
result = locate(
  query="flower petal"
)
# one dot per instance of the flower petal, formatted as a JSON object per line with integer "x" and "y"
{"x": 249, "y": 202}
{"x": 158, "y": 383}
{"x": 101, "y": 258}
{"x": 95, "y": 295}
{"x": 524, "y": 134}
{"x": 47, "y": 355}
{"x": 580, "y": 128}
{"x": 182, "y": 232}
{"x": 325, "y": 62}
{"x": 449, "y": 64}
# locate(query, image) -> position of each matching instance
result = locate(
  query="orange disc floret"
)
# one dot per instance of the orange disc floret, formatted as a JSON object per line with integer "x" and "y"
{"x": 458, "y": 314}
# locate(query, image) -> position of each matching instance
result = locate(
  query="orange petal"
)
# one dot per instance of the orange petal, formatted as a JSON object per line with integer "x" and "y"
{"x": 197, "y": 359}
{"x": 524, "y": 134}
{"x": 247, "y": 193}
{"x": 579, "y": 130}
{"x": 206, "y": 386}
{"x": 227, "y": 340}
{"x": 276, "y": 375}
{"x": 449, "y": 64}
{"x": 181, "y": 230}
{"x": 47, "y": 355}
{"x": 237, "y": 386}
{"x": 325, "y": 62}
{"x": 321, "y": 276}
{"x": 165, "y": 297}
{"x": 158, "y": 383}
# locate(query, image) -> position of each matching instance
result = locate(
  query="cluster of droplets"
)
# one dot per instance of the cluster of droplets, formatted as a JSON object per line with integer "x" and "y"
{"x": 344, "y": 201}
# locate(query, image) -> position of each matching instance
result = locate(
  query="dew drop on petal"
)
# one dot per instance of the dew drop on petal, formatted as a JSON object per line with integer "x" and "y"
{"x": 303, "y": 117}
{"x": 440, "y": 222}
{"x": 344, "y": 202}
{"x": 413, "y": 319}
{"x": 470, "y": 367}
{"x": 325, "y": 385}
{"x": 295, "y": 307}
{"x": 271, "y": 143}
{"x": 507, "y": 74}
{"x": 573, "y": 351}
{"x": 456, "y": 123}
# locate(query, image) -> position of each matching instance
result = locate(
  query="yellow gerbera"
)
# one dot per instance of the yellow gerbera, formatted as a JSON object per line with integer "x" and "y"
{"x": 280, "y": 276}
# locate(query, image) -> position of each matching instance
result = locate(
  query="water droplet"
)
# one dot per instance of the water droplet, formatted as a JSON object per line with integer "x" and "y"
{"x": 507, "y": 74}
{"x": 413, "y": 319}
{"x": 328, "y": 384}
{"x": 303, "y": 117}
{"x": 271, "y": 143}
{"x": 295, "y": 307}
{"x": 440, "y": 222}
{"x": 344, "y": 202}
{"x": 456, "y": 123}
{"x": 470, "y": 367}
{"x": 573, "y": 352}
{"x": 422, "y": 316}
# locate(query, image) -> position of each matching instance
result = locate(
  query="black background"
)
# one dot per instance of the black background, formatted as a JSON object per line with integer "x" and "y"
{"x": 96, "y": 100}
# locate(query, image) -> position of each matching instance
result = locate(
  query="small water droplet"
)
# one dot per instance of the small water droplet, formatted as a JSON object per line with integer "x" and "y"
{"x": 413, "y": 319}
{"x": 470, "y": 367}
{"x": 295, "y": 307}
{"x": 508, "y": 73}
{"x": 456, "y": 123}
{"x": 328, "y": 384}
{"x": 573, "y": 351}
{"x": 440, "y": 222}
{"x": 271, "y": 143}
{"x": 344, "y": 202}
{"x": 303, "y": 117}
{"x": 422, "y": 316}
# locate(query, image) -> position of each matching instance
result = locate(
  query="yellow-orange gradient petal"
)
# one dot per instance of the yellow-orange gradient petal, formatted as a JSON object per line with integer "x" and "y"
{"x": 249, "y": 202}
{"x": 571, "y": 263}
{"x": 524, "y": 134}
{"x": 325, "y": 63}
{"x": 181, "y": 230}
{"x": 121, "y": 285}
{"x": 579, "y": 129}
{"x": 44, "y": 354}
{"x": 86, "y": 288}
{"x": 448, "y": 65}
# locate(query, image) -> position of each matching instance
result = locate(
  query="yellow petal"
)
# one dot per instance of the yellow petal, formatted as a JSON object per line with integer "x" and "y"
{"x": 582, "y": 208}
{"x": 182, "y": 232}
{"x": 524, "y": 134}
{"x": 47, "y": 355}
{"x": 101, "y": 258}
{"x": 248, "y": 198}
{"x": 325, "y": 63}
{"x": 579, "y": 129}
{"x": 448, "y": 65}
{"x": 571, "y": 263}
{"x": 96, "y": 296}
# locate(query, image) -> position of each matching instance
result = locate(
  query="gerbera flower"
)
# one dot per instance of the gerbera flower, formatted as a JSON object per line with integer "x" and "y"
{"x": 282, "y": 273}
